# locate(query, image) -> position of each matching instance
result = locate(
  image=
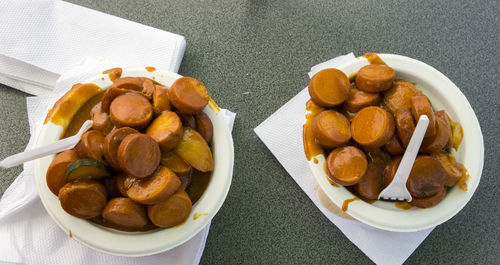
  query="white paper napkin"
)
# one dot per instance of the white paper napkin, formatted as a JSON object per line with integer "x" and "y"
{"x": 42, "y": 39}
{"x": 29, "y": 235}
{"x": 282, "y": 134}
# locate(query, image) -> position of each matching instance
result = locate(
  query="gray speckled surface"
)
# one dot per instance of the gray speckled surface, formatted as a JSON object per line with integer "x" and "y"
{"x": 266, "y": 48}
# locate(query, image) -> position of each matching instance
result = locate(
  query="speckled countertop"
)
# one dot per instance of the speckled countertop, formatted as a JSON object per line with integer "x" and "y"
{"x": 254, "y": 56}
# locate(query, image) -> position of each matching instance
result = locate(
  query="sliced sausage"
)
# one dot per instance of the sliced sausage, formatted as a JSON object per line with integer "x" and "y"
{"x": 346, "y": 165}
{"x": 56, "y": 173}
{"x": 371, "y": 183}
{"x": 399, "y": 96}
{"x": 124, "y": 182}
{"x": 138, "y": 155}
{"x": 329, "y": 88}
{"x": 125, "y": 212}
{"x": 204, "y": 126}
{"x": 390, "y": 170}
{"x": 359, "y": 99}
{"x": 109, "y": 95}
{"x": 427, "y": 177}
{"x": 420, "y": 105}
{"x": 90, "y": 145}
{"x": 375, "y": 78}
{"x": 113, "y": 73}
{"x": 188, "y": 95}
{"x": 172, "y": 211}
{"x": 175, "y": 163}
{"x": 405, "y": 125}
{"x": 111, "y": 187}
{"x": 148, "y": 88}
{"x": 442, "y": 137}
{"x": 131, "y": 110}
{"x": 188, "y": 120}
{"x": 132, "y": 83}
{"x": 372, "y": 126}
{"x": 83, "y": 199}
{"x": 112, "y": 142}
{"x": 101, "y": 120}
{"x": 160, "y": 100}
{"x": 454, "y": 170}
{"x": 156, "y": 188}
{"x": 167, "y": 130}
{"x": 331, "y": 128}
{"x": 394, "y": 147}
{"x": 430, "y": 201}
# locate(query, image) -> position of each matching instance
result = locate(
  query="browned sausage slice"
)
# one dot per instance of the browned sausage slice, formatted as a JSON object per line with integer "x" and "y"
{"x": 112, "y": 142}
{"x": 172, "y": 211}
{"x": 375, "y": 78}
{"x": 187, "y": 120}
{"x": 372, "y": 127}
{"x": 359, "y": 99}
{"x": 346, "y": 165}
{"x": 405, "y": 125}
{"x": 160, "y": 100}
{"x": 204, "y": 126}
{"x": 427, "y": 177}
{"x": 420, "y": 105}
{"x": 83, "y": 199}
{"x": 390, "y": 170}
{"x": 175, "y": 163}
{"x": 131, "y": 110}
{"x": 394, "y": 147}
{"x": 188, "y": 95}
{"x": 454, "y": 170}
{"x": 124, "y": 182}
{"x": 111, "y": 187}
{"x": 442, "y": 137}
{"x": 101, "y": 120}
{"x": 399, "y": 96}
{"x": 331, "y": 129}
{"x": 138, "y": 155}
{"x": 148, "y": 88}
{"x": 167, "y": 130}
{"x": 125, "y": 212}
{"x": 109, "y": 95}
{"x": 329, "y": 88}
{"x": 90, "y": 145}
{"x": 430, "y": 201}
{"x": 132, "y": 83}
{"x": 56, "y": 173}
{"x": 371, "y": 183}
{"x": 156, "y": 188}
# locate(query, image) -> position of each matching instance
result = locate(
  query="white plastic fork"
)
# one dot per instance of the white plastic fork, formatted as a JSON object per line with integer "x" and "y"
{"x": 397, "y": 190}
{"x": 55, "y": 147}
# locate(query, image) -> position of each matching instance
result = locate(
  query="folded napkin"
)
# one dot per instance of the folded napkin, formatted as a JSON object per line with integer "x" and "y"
{"x": 282, "y": 134}
{"x": 41, "y": 39}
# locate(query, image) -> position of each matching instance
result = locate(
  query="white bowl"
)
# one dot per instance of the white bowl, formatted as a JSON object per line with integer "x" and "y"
{"x": 443, "y": 95}
{"x": 120, "y": 243}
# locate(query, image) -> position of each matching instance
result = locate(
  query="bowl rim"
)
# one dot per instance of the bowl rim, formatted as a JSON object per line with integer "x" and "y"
{"x": 120, "y": 243}
{"x": 380, "y": 214}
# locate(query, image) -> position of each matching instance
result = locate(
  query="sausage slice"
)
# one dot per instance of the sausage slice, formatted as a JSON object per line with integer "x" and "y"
{"x": 156, "y": 188}
{"x": 124, "y": 182}
{"x": 188, "y": 95}
{"x": 204, "y": 126}
{"x": 375, "y": 78}
{"x": 131, "y": 110}
{"x": 160, "y": 100}
{"x": 138, "y": 155}
{"x": 394, "y": 147}
{"x": 112, "y": 142}
{"x": 421, "y": 105}
{"x": 56, "y": 173}
{"x": 331, "y": 129}
{"x": 83, "y": 199}
{"x": 167, "y": 130}
{"x": 101, "y": 120}
{"x": 371, "y": 183}
{"x": 329, "y": 88}
{"x": 427, "y": 177}
{"x": 172, "y": 211}
{"x": 430, "y": 201}
{"x": 132, "y": 83}
{"x": 125, "y": 212}
{"x": 372, "y": 127}
{"x": 90, "y": 145}
{"x": 442, "y": 137}
{"x": 390, "y": 170}
{"x": 359, "y": 99}
{"x": 346, "y": 165}
{"x": 399, "y": 96}
{"x": 148, "y": 88}
{"x": 454, "y": 170}
{"x": 405, "y": 125}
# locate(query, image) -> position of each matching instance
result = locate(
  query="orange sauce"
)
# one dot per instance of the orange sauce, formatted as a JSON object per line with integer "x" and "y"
{"x": 67, "y": 106}
{"x": 196, "y": 216}
{"x": 113, "y": 73}
{"x": 213, "y": 105}
{"x": 403, "y": 205}
{"x": 70, "y": 234}
{"x": 150, "y": 69}
{"x": 311, "y": 148}
{"x": 82, "y": 115}
{"x": 373, "y": 58}
{"x": 457, "y": 133}
{"x": 345, "y": 204}
{"x": 181, "y": 224}
{"x": 462, "y": 183}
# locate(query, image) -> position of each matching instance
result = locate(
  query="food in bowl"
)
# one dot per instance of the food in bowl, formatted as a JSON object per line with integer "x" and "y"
{"x": 146, "y": 160}
{"x": 363, "y": 124}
